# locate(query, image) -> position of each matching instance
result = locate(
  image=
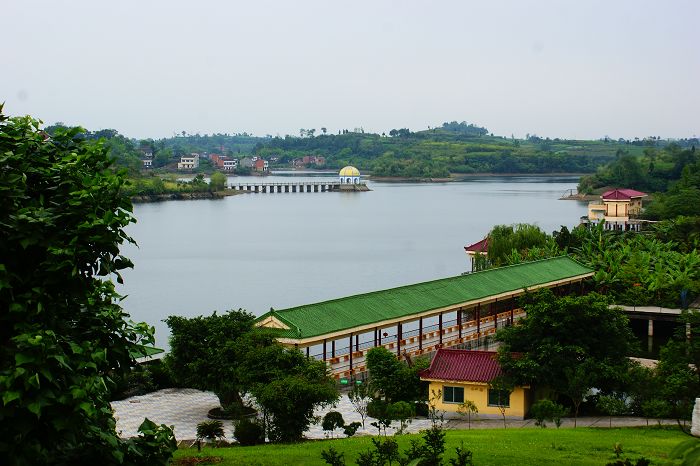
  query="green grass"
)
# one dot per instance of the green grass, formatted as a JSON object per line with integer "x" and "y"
{"x": 582, "y": 446}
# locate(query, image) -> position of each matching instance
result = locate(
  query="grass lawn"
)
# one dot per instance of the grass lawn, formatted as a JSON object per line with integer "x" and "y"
{"x": 592, "y": 446}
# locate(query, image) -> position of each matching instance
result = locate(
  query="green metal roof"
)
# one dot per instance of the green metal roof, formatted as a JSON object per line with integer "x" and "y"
{"x": 317, "y": 319}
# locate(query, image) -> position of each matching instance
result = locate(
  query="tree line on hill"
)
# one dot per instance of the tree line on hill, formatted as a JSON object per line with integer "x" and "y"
{"x": 452, "y": 148}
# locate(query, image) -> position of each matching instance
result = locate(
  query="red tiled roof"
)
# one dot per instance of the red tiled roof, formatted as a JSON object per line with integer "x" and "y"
{"x": 463, "y": 365}
{"x": 480, "y": 246}
{"x": 622, "y": 194}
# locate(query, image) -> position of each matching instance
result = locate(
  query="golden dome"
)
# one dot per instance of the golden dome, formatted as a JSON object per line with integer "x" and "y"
{"x": 349, "y": 171}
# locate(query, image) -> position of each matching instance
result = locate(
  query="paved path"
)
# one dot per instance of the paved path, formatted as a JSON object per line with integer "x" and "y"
{"x": 185, "y": 408}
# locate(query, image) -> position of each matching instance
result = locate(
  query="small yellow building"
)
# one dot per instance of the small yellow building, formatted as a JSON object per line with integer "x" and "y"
{"x": 617, "y": 208}
{"x": 460, "y": 375}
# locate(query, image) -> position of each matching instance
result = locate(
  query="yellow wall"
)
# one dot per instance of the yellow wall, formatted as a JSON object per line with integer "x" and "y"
{"x": 478, "y": 393}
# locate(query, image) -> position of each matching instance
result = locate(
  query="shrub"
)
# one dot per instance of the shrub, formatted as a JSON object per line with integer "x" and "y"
{"x": 210, "y": 430}
{"x": 350, "y": 429}
{"x": 401, "y": 411}
{"x": 332, "y": 457}
{"x": 332, "y": 420}
{"x": 249, "y": 433}
{"x": 547, "y": 410}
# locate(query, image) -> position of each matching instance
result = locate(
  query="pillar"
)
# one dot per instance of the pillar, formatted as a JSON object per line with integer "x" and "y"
{"x": 350, "y": 351}
{"x": 440, "y": 327}
{"x": 324, "y": 350}
{"x": 650, "y": 328}
{"x": 459, "y": 323}
{"x": 399, "y": 335}
{"x": 357, "y": 342}
{"x": 332, "y": 348}
{"x": 307, "y": 351}
{"x": 420, "y": 333}
{"x": 379, "y": 336}
{"x": 478, "y": 318}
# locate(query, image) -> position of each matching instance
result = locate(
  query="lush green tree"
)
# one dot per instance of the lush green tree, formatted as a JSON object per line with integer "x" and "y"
{"x": 206, "y": 353}
{"x": 63, "y": 335}
{"x": 547, "y": 410}
{"x": 468, "y": 408}
{"x": 218, "y": 181}
{"x": 401, "y": 411}
{"x": 393, "y": 379}
{"x": 290, "y": 392}
{"x": 566, "y": 345}
{"x": 331, "y": 421}
{"x": 612, "y": 406}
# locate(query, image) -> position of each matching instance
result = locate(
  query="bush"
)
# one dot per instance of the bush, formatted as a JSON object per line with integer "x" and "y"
{"x": 210, "y": 430}
{"x": 332, "y": 420}
{"x": 249, "y": 433}
{"x": 351, "y": 429}
{"x": 547, "y": 410}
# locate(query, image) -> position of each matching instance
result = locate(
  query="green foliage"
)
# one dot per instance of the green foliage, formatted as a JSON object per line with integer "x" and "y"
{"x": 332, "y": 457}
{"x": 210, "y": 430}
{"x": 403, "y": 412}
{"x": 467, "y": 409}
{"x": 547, "y": 410}
{"x": 154, "y": 445}
{"x": 288, "y": 386}
{"x": 521, "y": 237}
{"x": 332, "y": 420}
{"x": 351, "y": 429}
{"x": 62, "y": 333}
{"x": 379, "y": 409}
{"x": 612, "y": 406}
{"x": 688, "y": 452}
{"x": 393, "y": 379}
{"x": 218, "y": 181}
{"x": 433, "y": 447}
{"x": 464, "y": 457}
{"x": 567, "y": 345}
{"x": 206, "y": 352}
{"x": 386, "y": 451}
{"x": 249, "y": 432}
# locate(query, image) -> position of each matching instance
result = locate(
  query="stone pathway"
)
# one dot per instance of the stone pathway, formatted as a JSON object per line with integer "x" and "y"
{"x": 185, "y": 408}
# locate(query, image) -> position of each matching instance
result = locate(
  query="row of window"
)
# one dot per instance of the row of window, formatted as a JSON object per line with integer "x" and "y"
{"x": 456, "y": 395}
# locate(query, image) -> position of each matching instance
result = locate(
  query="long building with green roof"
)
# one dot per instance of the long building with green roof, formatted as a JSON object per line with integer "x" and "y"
{"x": 317, "y": 323}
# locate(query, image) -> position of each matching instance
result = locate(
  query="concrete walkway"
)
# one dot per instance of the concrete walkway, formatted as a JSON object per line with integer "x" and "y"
{"x": 185, "y": 408}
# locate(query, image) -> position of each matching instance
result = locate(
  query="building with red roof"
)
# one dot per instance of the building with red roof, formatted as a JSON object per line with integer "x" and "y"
{"x": 618, "y": 208}
{"x": 460, "y": 375}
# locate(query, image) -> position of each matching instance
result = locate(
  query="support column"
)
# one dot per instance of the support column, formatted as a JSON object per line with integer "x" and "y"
{"x": 399, "y": 335}
{"x": 350, "y": 351}
{"x": 324, "y": 350}
{"x": 332, "y": 348}
{"x": 375, "y": 336}
{"x": 459, "y": 323}
{"x": 478, "y": 318}
{"x": 420, "y": 333}
{"x": 440, "y": 327}
{"x": 307, "y": 351}
{"x": 650, "y": 328}
{"x": 379, "y": 336}
{"x": 357, "y": 342}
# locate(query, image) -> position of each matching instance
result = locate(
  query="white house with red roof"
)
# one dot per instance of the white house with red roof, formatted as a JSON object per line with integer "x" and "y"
{"x": 618, "y": 208}
{"x": 460, "y": 375}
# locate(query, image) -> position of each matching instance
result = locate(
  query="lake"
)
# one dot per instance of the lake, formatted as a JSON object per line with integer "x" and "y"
{"x": 257, "y": 251}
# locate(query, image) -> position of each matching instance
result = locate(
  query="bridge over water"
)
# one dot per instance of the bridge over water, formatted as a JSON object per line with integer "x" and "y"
{"x": 461, "y": 311}
{"x": 299, "y": 187}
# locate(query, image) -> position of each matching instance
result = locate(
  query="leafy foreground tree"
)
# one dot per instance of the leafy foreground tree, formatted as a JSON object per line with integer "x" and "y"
{"x": 62, "y": 334}
{"x": 565, "y": 346}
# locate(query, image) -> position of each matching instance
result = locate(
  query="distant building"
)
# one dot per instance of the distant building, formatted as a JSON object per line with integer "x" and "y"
{"x": 349, "y": 175}
{"x": 261, "y": 166}
{"x": 246, "y": 162}
{"x": 309, "y": 160}
{"x": 460, "y": 375}
{"x": 147, "y": 163}
{"x": 617, "y": 208}
{"x": 188, "y": 162}
{"x": 229, "y": 164}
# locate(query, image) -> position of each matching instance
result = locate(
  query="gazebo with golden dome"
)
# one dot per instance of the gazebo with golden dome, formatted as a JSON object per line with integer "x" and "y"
{"x": 349, "y": 175}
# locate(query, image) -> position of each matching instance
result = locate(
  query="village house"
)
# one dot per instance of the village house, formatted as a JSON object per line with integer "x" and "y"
{"x": 261, "y": 166}
{"x": 617, "y": 208}
{"x": 460, "y": 375}
{"x": 246, "y": 162}
{"x": 309, "y": 160}
{"x": 188, "y": 162}
{"x": 147, "y": 163}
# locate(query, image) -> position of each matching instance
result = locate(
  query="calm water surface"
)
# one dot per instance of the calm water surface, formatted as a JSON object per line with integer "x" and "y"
{"x": 258, "y": 251}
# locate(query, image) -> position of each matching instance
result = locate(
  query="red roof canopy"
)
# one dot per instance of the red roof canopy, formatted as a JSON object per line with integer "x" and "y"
{"x": 480, "y": 246}
{"x": 622, "y": 194}
{"x": 463, "y": 366}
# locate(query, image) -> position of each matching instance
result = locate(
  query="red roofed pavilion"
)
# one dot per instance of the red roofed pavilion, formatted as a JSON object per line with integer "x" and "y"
{"x": 618, "y": 209}
{"x": 622, "y": 194}
{"x": 460, "y": 375}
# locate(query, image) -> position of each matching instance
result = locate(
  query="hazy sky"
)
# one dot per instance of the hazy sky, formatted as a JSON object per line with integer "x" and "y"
{"x": 579, "y": 69}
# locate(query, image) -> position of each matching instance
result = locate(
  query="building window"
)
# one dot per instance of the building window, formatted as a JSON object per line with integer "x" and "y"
{"x": 499, "y": 398}
{"x": 453, "y": 394}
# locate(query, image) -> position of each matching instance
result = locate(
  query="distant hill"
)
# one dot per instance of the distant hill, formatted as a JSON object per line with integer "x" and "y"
{"x": 452, "y": 148}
